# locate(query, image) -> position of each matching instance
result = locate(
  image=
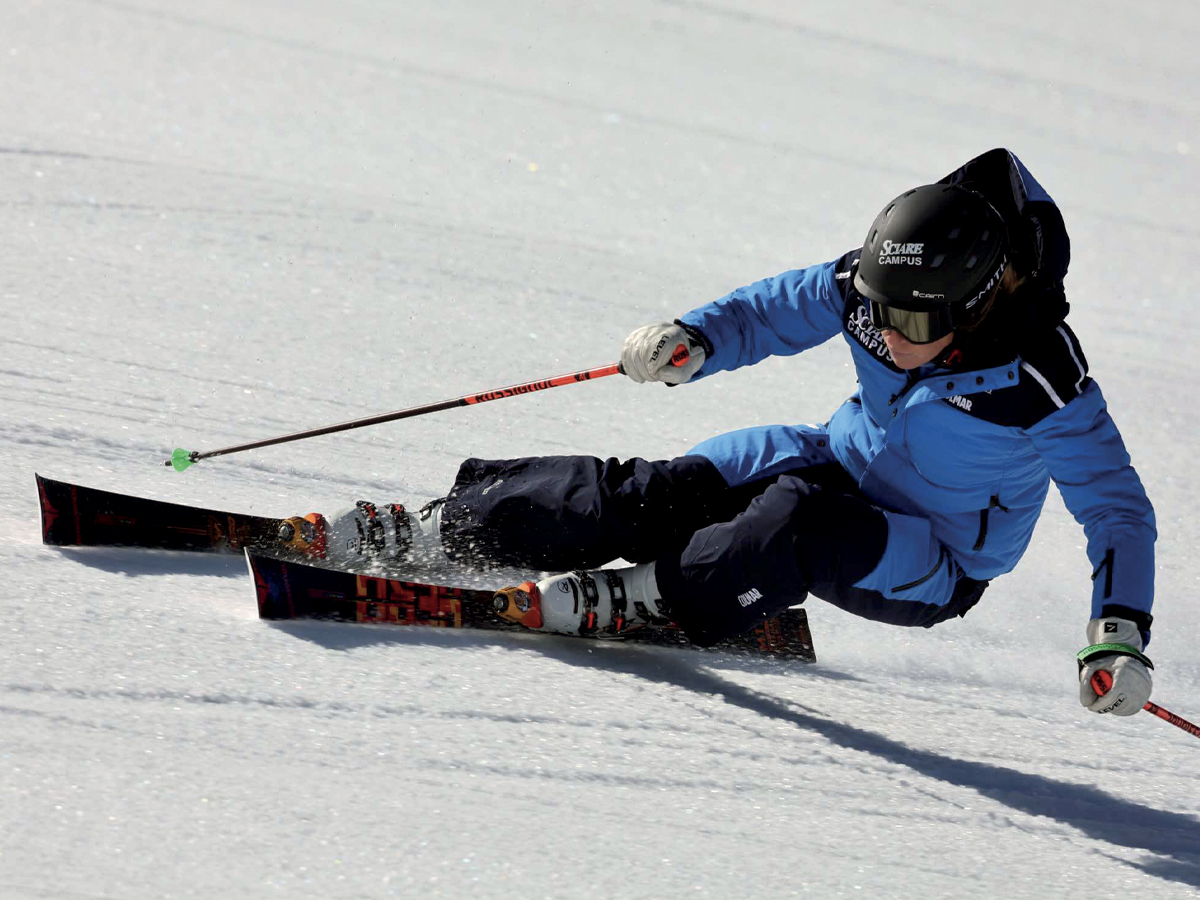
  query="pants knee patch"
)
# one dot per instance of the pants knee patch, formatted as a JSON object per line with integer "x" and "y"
{"x": 733, "y": 574}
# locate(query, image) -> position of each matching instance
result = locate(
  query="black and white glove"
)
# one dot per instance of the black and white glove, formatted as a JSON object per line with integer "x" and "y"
{"x": 665, "y": 352}
{"x": 1116, "y": 648}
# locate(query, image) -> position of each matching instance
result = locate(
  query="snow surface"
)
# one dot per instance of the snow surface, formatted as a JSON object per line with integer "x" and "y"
{"x": 230, "y": 219}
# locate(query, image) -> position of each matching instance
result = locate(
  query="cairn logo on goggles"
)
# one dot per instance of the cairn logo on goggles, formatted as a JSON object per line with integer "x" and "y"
{"x": 929, "y": 296}
{"x": 894, "y": 253}
{"x": 991, "y": 283}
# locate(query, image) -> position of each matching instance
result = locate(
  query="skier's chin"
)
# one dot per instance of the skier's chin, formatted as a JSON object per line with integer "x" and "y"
{"x": 908, "y": 355}
{"x": 905, "y": 361}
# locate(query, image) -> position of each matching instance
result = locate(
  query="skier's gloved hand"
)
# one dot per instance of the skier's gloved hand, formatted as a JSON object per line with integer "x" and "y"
{"x": 1116, "y": 647}
{"x": 665, "y": 352}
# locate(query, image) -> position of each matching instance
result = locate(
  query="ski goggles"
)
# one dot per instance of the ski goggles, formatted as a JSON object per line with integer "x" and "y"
{"x": 918, "y": 326}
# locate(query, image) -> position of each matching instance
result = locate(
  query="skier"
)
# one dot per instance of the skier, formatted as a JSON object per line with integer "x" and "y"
{"x": 921, "y": 488}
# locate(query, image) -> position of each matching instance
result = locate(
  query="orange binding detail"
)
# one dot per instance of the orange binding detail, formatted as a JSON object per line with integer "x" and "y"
{"x": 304, "y": 535}
{"x": 521, "y": 604}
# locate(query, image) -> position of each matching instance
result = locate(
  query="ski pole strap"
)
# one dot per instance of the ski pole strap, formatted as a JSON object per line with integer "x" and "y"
{"x": 1087, "y": 654}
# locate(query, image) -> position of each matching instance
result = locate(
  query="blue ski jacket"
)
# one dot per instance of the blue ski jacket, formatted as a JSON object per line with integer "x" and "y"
{"x": 969, "y": 448}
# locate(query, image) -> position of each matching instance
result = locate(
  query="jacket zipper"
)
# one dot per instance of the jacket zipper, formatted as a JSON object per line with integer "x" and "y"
{"x": 994, "y": 503}
{"x": 911, "y": 378}
{"x": 1106, "y": 565}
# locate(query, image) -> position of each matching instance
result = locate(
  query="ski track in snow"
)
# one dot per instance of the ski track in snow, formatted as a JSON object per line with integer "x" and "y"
{"x": 229, "y": 224}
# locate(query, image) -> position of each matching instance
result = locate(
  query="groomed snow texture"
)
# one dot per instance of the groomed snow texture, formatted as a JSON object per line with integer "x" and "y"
{"x": 230, "y": 219}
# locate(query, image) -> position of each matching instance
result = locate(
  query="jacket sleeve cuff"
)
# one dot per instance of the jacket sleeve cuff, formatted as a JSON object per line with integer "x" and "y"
{"x": 1143, "y": 620}
{"x": 698, "y": 336}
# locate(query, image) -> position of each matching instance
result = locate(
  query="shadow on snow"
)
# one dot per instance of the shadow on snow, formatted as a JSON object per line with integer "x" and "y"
{"x": 136, "y": 562}
{"x": 1096, "y": 813}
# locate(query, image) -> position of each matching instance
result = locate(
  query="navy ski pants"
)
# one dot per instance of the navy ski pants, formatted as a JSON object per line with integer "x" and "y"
{"x": 725, "y": 558}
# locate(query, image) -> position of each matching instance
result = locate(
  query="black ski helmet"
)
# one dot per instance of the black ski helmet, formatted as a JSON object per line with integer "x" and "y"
{"x": 931, "y": 255}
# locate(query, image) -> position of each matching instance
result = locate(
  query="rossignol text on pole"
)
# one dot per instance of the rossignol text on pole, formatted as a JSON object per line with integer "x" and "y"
{"x": 182, "y": 459}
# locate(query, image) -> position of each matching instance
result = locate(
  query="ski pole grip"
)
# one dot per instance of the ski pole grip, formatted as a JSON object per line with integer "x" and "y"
{"x": 678, "y": 358}
{"x": 1101, "y": 682}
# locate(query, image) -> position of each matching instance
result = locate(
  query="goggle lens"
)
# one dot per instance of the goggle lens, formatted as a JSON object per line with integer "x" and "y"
{"x": 919, "y": 326}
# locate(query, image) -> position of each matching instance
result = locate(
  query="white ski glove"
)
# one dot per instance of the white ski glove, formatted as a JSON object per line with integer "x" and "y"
{"x": 664, "y": 352}
{"x": 1116, "y": 648}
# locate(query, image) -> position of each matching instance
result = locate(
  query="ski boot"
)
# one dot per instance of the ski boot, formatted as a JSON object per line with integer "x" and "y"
{"x": 606, "y": 602}
{"x": 364, "y": 533}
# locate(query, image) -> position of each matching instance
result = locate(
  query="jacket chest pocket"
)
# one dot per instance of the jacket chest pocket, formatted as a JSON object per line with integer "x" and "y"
{"x": 950, "y": 449}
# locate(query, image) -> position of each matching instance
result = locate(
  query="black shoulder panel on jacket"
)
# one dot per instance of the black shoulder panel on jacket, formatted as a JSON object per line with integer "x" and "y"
{"x": 1051, "y": 373}
{"x": 1054, "y": 359}
{"x": 843, "y": 273}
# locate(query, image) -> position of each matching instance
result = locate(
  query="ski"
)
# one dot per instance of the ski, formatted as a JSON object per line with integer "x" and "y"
{"x": 292, "y": 590}
{"x": 74, "y": 515}
{"x": 80, "y": 516}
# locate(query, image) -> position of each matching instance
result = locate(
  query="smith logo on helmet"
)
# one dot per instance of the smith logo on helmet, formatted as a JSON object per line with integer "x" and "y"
{"x": 895, "y": 253}
{"x": 991, "y": 283}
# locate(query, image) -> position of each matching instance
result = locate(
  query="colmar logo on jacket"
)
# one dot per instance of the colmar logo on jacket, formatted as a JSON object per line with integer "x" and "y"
{"x": 749, "y": 597}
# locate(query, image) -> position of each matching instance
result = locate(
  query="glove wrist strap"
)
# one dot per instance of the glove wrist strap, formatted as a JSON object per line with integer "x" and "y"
{"x": 1087, "y": 654}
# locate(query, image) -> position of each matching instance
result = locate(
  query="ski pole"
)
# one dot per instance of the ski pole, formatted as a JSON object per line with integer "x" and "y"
{"x": 182, "y": 459}
{"x": 1101, "y": 683}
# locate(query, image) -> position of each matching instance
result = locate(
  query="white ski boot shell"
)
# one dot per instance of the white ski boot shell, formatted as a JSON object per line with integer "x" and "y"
{"x": 606, "y": 601}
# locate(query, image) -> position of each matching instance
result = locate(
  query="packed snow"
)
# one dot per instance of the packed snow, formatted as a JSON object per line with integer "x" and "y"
{"x": 232, "y": 219}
